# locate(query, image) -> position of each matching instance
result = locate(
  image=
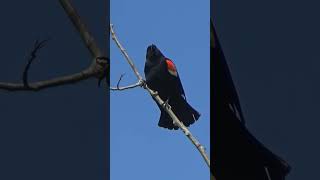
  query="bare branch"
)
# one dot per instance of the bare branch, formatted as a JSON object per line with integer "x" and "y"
{"x": 97, "y": 69}
{"x": 125, "y": 87}
{"x": 118, "y": 88}
{"x": 59, "y": 81}
{"x": 155, "y": 96}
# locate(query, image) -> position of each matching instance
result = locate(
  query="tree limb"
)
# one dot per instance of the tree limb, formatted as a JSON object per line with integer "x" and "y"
{"x": 155, "y": 96}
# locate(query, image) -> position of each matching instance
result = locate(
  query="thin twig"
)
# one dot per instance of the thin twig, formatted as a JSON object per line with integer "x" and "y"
{"x": 118, "y": 84}
{"x": 155, "y": 95}
{"x": 37, "y": 46}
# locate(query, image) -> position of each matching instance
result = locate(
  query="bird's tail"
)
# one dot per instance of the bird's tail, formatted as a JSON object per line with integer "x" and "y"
{"x": 181, "y": 108}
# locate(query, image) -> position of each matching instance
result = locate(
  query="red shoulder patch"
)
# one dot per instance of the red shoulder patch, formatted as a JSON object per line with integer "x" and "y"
{"x": 171, "y": 67}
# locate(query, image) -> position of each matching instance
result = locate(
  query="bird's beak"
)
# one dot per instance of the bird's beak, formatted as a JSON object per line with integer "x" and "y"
{"x": 150, "y": 50}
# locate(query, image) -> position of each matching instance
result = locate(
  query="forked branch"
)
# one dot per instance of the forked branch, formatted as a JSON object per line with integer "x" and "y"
{"x": 118, "y": 88}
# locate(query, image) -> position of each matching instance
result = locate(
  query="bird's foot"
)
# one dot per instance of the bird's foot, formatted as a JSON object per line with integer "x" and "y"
{"x": 166, "y": 104}
{"x": 154, "y": 93}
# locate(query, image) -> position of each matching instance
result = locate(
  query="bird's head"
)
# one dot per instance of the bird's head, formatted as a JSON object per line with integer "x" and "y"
{"x": 153, "y": 53}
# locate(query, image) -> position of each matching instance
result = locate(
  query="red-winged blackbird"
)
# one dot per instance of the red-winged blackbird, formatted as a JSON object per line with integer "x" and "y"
{"x": 162, "y": 76}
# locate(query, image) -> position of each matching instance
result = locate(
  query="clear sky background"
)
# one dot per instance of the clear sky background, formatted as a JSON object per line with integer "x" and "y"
{"x": 272, "y": 48}
{"x": 139, "y": 148}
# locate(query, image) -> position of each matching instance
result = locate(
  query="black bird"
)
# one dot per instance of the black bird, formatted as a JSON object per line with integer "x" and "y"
{"x": 162, "y": 76}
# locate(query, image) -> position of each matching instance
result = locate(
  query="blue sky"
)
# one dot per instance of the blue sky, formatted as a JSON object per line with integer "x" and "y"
{"x": 139, "y": 148}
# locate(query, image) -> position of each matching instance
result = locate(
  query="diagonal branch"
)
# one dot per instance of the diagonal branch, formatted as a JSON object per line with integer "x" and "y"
{"x": 95, "y": 70}
{"x": 124, "y": 52}
{"x": 155, "y": 96}
{"x": 82, "y": 29}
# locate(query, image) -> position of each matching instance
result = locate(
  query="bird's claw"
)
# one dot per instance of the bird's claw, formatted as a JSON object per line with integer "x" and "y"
{"x": 154, "y": 93}
{"x": 166, "y": 104}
